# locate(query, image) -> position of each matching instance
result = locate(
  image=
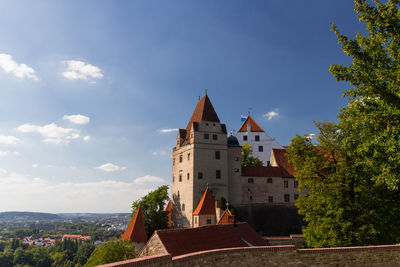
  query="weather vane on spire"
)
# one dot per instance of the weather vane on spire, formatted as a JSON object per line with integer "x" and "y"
{"x": 206, "y": 91}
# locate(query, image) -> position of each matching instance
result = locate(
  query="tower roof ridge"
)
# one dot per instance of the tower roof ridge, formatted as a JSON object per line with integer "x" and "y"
{"x": 254, "y": 127}
{"x": 204, "y": 111}
{"x": 136, "y": 230}
{"x": 206, "y": 205}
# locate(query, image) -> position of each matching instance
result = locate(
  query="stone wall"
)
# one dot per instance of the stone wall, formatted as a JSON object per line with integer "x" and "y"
{"x": 154, "y": 247}
{"x": 388, "y": 255}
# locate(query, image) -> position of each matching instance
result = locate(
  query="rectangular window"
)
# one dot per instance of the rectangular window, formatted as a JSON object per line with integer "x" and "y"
{"x": 268, "y": 163}
{"x": 206, "y": 136}
{"x": 296, "y": 196}
{"x": 218, "y": 174}
{"x": 270, "y": 199}
{"x": 260, "y": 148}
{"x": 287, "y": 198}
{"x": 296, "y": 184}
{"x": 236, "y": 158}
{"x": 208, "y": 221}
{"x": 215, "y": 137}
{"x": 251, "y": 197}
{"x": 200, "y": 175}
{"x": 180, "y": 177}
{"x": 188, "y": 156}
{"x": 188, "y": 176}
{"x": 257, "y": 138}
{"x": 173, "y": 179}
{"x": 173, "y": 161}
{"x": 217, "y": 155}
{"x": 244, "y": 137}
{"x": 236, "y": 169}
{"x": 269, "y": 180}
{"x": 285, "y": 184}
{"x": 180, "y": 158}
{"x": 250, "y": 181}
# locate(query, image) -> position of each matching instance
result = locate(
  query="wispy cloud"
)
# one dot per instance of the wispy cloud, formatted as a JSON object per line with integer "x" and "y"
{"x": 52, "y": 133}
{"x": 9, "y": 140}
{"x": 9, "y": 153}
{"x": 86, "y": 138}
{"x": 169, "y": 130}
{"x": 9, "y": 65}
{"x": 38, "y": 194}
{"x": 109, "y": 167}
{"x": 77, "y": 119}
{"x": 272, "y": 114}
{"x": 148, "y": 179}
{"x": 2, "y": 171}
{"x": 80, "y": 70}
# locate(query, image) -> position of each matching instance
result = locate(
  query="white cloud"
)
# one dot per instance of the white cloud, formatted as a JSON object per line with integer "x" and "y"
{"x": 77, "y": 119}
{"x": 109, "y": 167}
{"x": 18, "y": 70}
{"x": 311, "y": 135}
{"x": 20, "y": 192}
{"x": 35, "y": 166}
{"x": 86, "y": 138}
{"x": 79, "y": 70}
{"x": 272, "y": 114}
{"x": 169, "y": 130}
{"x": 52, "y": 133}
{"x": 2, "y": 171}
{"x": 9, "y": 140}
{"x": 8, "y": 153}
{"x": 148, "y": 179}
{"x": 159, "y": 153}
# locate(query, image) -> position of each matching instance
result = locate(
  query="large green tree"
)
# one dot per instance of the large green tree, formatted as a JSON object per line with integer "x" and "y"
{"x": 352, "y": 176}
{"x": 247, "y": 157}
{"x": 153, "y": 209}
{"x": 112, "y": 251}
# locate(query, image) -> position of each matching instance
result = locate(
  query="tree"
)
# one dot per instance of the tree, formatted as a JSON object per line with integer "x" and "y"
{"x": 247, "y": 159}
{"x": 112, "y": 251}
{"x": 352, "y": 176}
{"x": 153, "y": 209}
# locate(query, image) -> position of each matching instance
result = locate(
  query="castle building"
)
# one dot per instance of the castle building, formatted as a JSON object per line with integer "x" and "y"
{"x": 250, "y": 132}
{"x": 206, "y": 164}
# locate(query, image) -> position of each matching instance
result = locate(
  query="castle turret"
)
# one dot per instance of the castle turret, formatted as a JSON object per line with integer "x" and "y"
{"x": 136, "y": 231}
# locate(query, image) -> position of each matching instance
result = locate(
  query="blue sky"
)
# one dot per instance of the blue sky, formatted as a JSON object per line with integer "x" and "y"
{"x": 87, "y": 88}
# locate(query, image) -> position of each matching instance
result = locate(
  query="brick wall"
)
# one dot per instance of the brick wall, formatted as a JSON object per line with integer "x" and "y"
{"x": 388, "y": 255}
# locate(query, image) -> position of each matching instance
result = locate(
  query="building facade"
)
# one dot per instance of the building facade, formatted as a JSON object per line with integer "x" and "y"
{"x": 206, "y": 158}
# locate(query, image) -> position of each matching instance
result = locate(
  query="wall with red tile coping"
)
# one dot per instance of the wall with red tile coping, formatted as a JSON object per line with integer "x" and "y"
{"x": 388, "y": 255}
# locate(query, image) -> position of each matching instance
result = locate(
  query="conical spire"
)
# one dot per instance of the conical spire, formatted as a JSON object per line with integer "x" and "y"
{"x": 254, "y": 127}
{"x": 226, "y": 217}
{"x": 136, "y": 231}
{"x": 206, "y": 205}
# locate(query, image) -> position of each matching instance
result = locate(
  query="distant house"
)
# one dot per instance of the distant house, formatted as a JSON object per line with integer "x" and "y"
{"x": 81, "y": 237}
{"x": 188, "y": 240}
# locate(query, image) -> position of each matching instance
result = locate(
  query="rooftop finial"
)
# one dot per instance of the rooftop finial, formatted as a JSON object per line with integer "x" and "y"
{"x": 206, "y": 91}
{"x": 249, "y": 110}
{"x": 199, "y": 98}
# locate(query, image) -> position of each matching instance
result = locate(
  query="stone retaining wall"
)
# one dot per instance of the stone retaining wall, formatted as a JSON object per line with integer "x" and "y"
{"x": 388, "y": 255}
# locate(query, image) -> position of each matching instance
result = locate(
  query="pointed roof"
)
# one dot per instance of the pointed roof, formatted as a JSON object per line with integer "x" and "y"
{"x": 204, "y": 111}
{"x": 227, "y": 217}
{"x": 168, "y": 209}
{"x": 283, "y": 162}
{"x": 254, "y": 127}
{"x": 136, "y": 231}
{"x": 206, "y": 205}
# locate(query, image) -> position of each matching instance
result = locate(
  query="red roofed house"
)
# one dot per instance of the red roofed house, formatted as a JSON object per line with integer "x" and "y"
{"x": 205, "y": 213}
{"x": 227, "y": 217}
{"x": 136, "y": 231}
{"x": 188, "y": 240}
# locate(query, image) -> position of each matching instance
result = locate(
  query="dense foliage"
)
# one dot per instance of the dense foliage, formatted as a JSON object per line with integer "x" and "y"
{"x": 112, "y": 251}
{"x": 247, "y": 159}
{"x": 353, "y": 175}
{"x": 153, "y": 209}
{"x": 64, "y": 253}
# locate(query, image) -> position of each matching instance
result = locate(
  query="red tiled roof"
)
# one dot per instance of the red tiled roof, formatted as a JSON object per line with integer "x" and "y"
{"x": 283, "y": 162}
{"x": 136, "y": 230}
{"x": 168, "y": 208}
{"x": 204, "y": 111}
{"x": 254, "y": 127}
{"x": 268, "y": 171}
{"x": 206, "y": 205}
{"x": 227, "y": 217}
{"x": 188, "y": 240}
